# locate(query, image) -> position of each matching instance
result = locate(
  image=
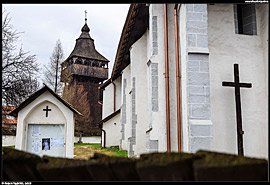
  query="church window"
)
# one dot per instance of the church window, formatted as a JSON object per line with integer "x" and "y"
{"x": 245, "y": 19}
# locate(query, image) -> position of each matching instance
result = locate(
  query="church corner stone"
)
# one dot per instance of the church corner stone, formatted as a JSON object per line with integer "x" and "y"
{"x": 200, "y": 136}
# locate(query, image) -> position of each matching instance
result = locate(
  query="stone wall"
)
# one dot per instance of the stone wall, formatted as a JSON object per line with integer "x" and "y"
{"x": 201, "y": 166}
{"x": 198, "y": 82}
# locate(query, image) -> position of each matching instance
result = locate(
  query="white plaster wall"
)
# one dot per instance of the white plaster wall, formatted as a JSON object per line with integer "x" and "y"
{"x": 8, "y": 140}
{"x": 138, "y": 58}
{"x": 263, "y": 11}
{"x": 91, "y": 139}
{"x": 108, "y": 103}
{"x": 172, "y": 77}
{"x": 108, "y": 97}
{"x": 112, "y": 128}
{"x": 118, "y": 92}
{"x": 37, "y": 115}
{"x": 158, "y": 118}
{"x": 227, "y": 48}
{"x": 113, "y": 134}
{"x": 24, "y": 116}
{"x": 127, "y": 132}
{"x": 183, "y": 71}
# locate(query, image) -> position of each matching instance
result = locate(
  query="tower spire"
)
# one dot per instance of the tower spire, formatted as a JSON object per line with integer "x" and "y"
{"x": 85, "y": 16}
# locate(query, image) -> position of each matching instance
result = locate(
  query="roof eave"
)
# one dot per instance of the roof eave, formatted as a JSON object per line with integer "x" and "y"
{"x": 35, "y": 95}
{"x": 129, "y": 35}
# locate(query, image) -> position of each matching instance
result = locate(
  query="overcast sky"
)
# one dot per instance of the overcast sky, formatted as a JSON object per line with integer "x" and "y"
{"x": 43, "y": 24}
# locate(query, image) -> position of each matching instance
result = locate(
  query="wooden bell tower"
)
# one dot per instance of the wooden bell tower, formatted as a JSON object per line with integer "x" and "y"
{"x": 82, "y": 72}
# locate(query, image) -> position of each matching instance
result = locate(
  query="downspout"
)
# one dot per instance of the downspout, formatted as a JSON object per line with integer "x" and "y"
{"x": 114, "y": 89}
{"x": 167, "y": 80}
{"x": 177, "y": 78}
{"x": 104, "y": 132}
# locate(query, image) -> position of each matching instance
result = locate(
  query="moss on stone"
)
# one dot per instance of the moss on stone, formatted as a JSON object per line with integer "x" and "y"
{"x": 106, "y": 159}
{"x": 163, "y": 159}
{"x": 221, "y": 159}
{"x": 11, "y": 154}
{"x": 58, "y": 162}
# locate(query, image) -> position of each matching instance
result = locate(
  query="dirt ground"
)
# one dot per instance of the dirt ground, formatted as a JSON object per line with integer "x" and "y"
{"x": 86, "y": 151}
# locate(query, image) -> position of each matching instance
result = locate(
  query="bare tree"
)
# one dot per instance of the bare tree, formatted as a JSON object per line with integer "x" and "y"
{"x": 53, "y": 69}
{"x": 19, "y": 68}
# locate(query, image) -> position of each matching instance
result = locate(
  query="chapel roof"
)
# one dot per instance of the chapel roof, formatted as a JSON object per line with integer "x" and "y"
{"x": 85, "y": 47}
{"x": 35, "y": 95}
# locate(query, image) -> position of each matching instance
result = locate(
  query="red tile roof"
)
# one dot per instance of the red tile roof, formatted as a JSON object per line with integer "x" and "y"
{"x": 9, "y": 121}
{"x": 7, "y": 109}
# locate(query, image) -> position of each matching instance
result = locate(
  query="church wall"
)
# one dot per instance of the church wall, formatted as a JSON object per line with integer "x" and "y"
{"x": 196, "y": 125}
{"x": 263, "y": 16}
{"x": 118, "y": 92}
{"x": 108, "y": 101}
{"x": 226, "y": 48}
{"x": 182, "y": 16}
{"x": 172, "y": 77}
{"x": 196, "y": 128}
{"x": 156, "y": 131}
{"x": 139, "y": 100}
{"x": 112, "y": 128}
{"x": 108, "y": 97}
{"x": 112, "y": 139}
{"x": 125, "y": 108}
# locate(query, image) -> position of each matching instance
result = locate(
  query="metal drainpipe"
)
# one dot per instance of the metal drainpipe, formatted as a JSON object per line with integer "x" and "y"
{"x": 167, "y": 80}
{"x": 104, "y": 133}
{"x": 100, "y": 103}
{"x": 177, "y": 78}
{"x": 102, "y": 123}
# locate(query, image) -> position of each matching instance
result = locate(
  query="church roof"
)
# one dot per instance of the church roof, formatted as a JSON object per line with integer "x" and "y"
{"x": 35, "y": 95}
{"x": 135, "y": 26}
{"x": 85, "y": 47}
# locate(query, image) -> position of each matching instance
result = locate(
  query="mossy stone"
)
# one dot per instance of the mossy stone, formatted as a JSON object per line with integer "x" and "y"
{"x": 20, "y": 166}
{"x": 214, "y": 166}
{"x": 165, "y": 166}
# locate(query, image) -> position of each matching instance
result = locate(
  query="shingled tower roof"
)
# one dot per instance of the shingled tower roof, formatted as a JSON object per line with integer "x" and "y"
{"x": 85, "y": 46}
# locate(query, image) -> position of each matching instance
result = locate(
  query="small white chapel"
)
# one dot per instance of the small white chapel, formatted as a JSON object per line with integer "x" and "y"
{"x": 45, "y": 124}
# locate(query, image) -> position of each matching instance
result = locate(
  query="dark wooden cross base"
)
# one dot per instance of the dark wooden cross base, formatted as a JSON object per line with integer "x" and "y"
{"x": 236, "y": 84}
{"x": 47, "y": 109}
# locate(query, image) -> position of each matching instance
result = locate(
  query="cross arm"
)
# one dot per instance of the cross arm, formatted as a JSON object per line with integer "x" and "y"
{"x": 232, "y": 84}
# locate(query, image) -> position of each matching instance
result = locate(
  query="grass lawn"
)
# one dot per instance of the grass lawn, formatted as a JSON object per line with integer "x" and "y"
{"x": 9, "y": 147}
{"x": 86, "y": 150}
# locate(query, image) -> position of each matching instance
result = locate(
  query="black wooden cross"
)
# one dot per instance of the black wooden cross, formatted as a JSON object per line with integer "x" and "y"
{"x": 47, "y": 109}
{"x": 236, "y": 84}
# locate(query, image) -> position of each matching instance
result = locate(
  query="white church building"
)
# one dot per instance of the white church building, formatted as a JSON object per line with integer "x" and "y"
{"x": 166, "y": 88}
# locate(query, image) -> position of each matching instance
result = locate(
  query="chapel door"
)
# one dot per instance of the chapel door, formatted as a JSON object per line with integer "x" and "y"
{"x": 46, "y": 139}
